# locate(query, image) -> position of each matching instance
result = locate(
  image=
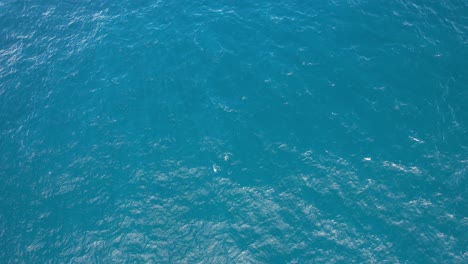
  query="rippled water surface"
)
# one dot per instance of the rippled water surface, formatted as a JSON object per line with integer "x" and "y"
{"x": 234, "y": 131}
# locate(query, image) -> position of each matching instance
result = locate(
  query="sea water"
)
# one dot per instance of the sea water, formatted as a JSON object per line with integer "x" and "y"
{"x": 234, "y": 131}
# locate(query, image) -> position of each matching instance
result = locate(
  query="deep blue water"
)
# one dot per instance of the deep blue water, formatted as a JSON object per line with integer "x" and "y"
{"x": 234, "y": 131}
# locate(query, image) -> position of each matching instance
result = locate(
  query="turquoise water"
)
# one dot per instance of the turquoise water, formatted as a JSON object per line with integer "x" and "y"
{"x": 234, "y": 131}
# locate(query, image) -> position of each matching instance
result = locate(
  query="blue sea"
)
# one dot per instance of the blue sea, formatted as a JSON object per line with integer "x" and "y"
{"x": 234, "y": 131}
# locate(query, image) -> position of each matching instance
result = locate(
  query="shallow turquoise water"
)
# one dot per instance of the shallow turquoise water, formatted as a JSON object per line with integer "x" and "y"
{"x": 233, "y": 131}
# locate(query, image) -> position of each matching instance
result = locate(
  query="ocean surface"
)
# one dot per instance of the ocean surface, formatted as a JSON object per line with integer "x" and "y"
{"x": 234, "y": 131}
